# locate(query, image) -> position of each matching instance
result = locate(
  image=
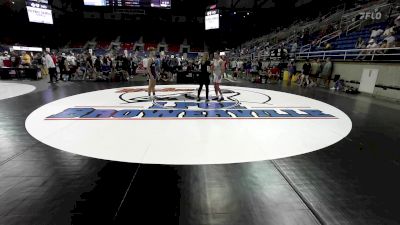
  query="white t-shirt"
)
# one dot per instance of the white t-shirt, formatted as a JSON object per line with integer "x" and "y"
{"x": 390, "y": 40}
{"x": 48, "y": 61}
{"x": 71, "y": 60}
{"x": 376, "y": 33}
{"x": 373, "y": 45}
{"x": 145, "y": 61}
{"x": 388, "y": 31}
{"x": 233, "y": 64}
{"x": 240, "y": 64}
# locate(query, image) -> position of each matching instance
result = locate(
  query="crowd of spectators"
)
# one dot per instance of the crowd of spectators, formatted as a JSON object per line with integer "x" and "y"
{"x": 68, "y": 66}
{"x": 382, "y": 39}
{"x": 311, "y": 74}
{"x": 308, "y": 40}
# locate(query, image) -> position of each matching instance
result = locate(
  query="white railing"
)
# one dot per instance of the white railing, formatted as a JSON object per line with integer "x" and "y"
{"x": 291, "y": 38}
{"x": 329, "y": 37}
{"x": 338, "y": 14}
{"x": 305, "y": 48}
{"x": 354, "y": 25}
{"x": 372, "y": 54}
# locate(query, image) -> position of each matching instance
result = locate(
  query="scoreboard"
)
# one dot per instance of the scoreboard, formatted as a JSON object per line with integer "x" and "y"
{"x": 39, "y": 11}
{"x": 212, "y": 18}
{"x": 130, "y": 3}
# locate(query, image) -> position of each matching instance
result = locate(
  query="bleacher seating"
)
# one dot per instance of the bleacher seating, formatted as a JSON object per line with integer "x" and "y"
{"x": 348, "y": 41}
{"x": 77, "y": 44}
{"x": 127, "y": 46}
{"x": 100, "y": 51}
{"x": 173, "y": 48}
{"x": 313, "y": 35}
{"x": 148, "y": 45}
{"x": 103, "y": 44}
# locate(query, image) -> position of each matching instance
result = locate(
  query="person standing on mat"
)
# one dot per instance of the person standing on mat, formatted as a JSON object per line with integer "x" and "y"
{"x": 49, "y": 63}
{"x": 306, "y": 73}
{"x": 218, "y": 69}
{"x": 204, "y": 78}
{"x": 152, "y": 73}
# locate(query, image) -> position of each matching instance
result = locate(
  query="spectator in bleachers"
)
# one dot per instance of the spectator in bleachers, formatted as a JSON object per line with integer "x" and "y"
{"x": 360, "y": 44}
{"x": 388, "y": 31}
{"x": 328, "y": 46}
{"x": 371, "y": 45}
{"x": 391, "y": 40}
{"x": 383, "y": 45}
{"x": 376, "y": 33}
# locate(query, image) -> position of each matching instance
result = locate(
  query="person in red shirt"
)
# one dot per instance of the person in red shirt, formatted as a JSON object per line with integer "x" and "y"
{"x": 54, "y": 57}
{"x": 273, "y": 74}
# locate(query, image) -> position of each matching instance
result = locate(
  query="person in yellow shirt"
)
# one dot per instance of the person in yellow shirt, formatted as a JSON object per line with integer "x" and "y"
{"x": 26, "y": 59}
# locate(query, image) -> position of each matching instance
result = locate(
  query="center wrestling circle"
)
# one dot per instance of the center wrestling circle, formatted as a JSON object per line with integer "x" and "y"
{"x": 123, "y": 124}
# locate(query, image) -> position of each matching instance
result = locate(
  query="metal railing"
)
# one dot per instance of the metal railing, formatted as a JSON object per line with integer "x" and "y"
{"x": 338, "y": 14}
{"x": 354, "y": 25}
{"x": 329, "y": 37}
{"x": 305, "y": 48}
{"x": 370, "y": 54}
